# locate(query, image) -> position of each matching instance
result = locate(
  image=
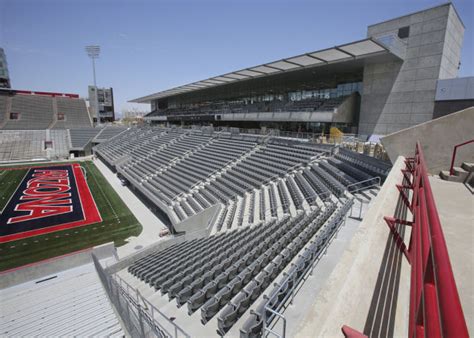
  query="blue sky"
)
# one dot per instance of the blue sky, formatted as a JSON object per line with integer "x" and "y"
{"x": 148, "y": 46}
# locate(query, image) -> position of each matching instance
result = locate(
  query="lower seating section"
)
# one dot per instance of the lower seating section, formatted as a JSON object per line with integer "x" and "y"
{"x": 319, "y": 235}
{"x": 3, "y": 108}
{"x": 80, "y": 138}
{"x": 224, "y": 274}
{"x": 18, "y": 145}
{"x": 333, "y": 184}
{"x": 108, "y": 132}
{"x": 268, "y": 162}
{"x": 129, "y": 141}
{"x": 33, "y": 112}
{"x": 365, "y": 163}
{"x": 60, "y": 145}
{"x": 185, "y": 171}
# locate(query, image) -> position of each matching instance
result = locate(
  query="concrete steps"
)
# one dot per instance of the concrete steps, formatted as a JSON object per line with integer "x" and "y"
{"x": 461, "y": 174}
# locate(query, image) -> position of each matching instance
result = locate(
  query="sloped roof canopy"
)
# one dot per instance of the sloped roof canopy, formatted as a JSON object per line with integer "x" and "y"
{"x": 352, "y": 51}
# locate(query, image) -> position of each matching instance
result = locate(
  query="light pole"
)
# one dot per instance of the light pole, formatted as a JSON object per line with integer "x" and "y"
{"x": 93, "y": 52}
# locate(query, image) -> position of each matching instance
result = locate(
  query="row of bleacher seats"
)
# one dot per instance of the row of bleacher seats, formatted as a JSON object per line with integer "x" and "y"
{"x": 18, "y": 145}
{"x": 310, "y": 104}
{"x": 52, "y": 144}
{"x": 80, "y": 138}
{"x": 368, "y": 164}
{"x": 70, "y": 303}
{"x": 38, "y": 112}
{"x": 109, "y": 132}
{"x": 230, "y": 270}
{"x": 267, "y": 162}
{"x": 280, "y": 205}
{"x": 300, "y": 190}
{"x": 3, "y": 108}
{"x": 319, "y": 235}
{"x": 189, "y": 170}
{"x": 75, "y": 113}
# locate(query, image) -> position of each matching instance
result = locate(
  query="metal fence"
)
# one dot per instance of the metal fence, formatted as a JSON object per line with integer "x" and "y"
{"x": 138, "y": 315}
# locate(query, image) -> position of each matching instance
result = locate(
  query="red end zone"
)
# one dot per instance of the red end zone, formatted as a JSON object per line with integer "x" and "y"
{"x": 84, "y": 209}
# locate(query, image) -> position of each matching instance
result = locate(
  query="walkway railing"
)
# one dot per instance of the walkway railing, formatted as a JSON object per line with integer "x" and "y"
{"x": 293, "y": 281}
{"x": 453, "y": 158}
{"x": 139, "y": 316}
{"x": 358, "y": 187}
{"x": 435, "y": 308}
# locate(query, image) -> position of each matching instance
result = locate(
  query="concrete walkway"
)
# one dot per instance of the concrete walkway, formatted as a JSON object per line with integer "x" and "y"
{"x": 150, "y": 223}
{"x": 455, "y": 206}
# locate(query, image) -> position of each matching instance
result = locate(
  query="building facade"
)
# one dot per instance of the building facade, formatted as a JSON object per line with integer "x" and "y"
{"x": 374, "y": 86}
{"x": 401, "y": 94}
{"x": 106, "y": 103}
{"x": 4, "y": 75}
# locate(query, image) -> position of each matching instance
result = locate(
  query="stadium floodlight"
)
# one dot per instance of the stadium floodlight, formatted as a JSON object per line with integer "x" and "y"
{"x": 93, "y": 51}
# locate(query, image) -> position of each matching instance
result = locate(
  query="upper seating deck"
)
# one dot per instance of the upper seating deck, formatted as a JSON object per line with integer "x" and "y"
{"x": 37, "y": 112}
{"x": 74, "y": 111}
{"x": 33, "y": 112}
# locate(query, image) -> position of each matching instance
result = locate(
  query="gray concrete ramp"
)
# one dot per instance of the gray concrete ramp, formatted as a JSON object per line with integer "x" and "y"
{"x": 455, "y": 205}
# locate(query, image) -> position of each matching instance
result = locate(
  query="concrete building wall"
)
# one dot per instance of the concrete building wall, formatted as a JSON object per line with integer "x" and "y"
{"x": 401, "y": 94}
{"x": 455, "y": 89}
{"x": 443, "y": 108}
{"x": 453, "y": 39}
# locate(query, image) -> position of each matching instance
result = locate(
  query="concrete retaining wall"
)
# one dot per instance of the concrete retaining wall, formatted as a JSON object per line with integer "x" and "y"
{"x": 438, "y": 138}
{"x": 198, "y": 222}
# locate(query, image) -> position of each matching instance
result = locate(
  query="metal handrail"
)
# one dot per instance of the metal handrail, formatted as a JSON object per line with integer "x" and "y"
{"x": 435, "y": 308}
{"x": 453, "y": 158}
{"x": 377, "y": 180}
{"x": 148, "y": 307}
{"x": 126, "y": 300}
{"x": 342, "y": 213}
{"x": 376, "y": 184}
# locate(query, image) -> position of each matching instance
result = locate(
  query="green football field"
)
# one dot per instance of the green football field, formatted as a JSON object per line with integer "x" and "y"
{"x": 118, "y": 223}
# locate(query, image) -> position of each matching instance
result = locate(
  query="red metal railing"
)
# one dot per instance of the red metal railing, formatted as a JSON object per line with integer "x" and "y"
{"x": 453, "y": 158}
{"x": 435, "y": 308}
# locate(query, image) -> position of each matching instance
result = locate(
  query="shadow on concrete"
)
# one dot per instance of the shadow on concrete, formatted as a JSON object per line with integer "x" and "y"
{"x": 381, "y": 317}
{"x": 160, "y": 214}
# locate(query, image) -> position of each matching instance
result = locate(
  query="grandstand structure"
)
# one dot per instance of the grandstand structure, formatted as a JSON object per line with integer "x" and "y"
{"x": 184, "y": 172}
{"x": 378, "y": 85}
{"x": 250, "y": 205}
{"x": 265, "y": 234}
{"x": 52, "y": 144}
{"x": 47, "y": 126}
{"x": 20, "y": 110}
